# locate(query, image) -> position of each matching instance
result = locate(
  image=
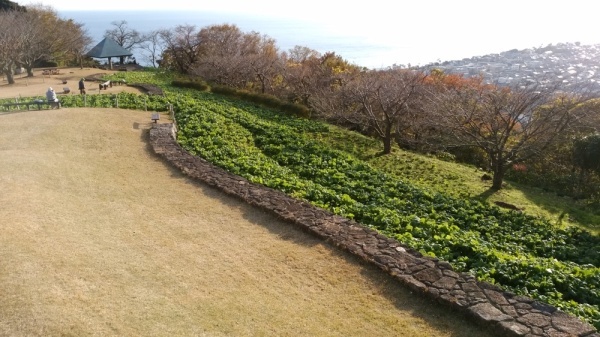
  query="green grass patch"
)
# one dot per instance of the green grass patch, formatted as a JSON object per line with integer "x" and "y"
{"x": 459, "y": 180}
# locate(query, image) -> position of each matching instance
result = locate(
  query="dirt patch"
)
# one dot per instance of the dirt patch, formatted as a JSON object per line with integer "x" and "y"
{"x": 102, "y": 238}
{"x": 38, "y": 84}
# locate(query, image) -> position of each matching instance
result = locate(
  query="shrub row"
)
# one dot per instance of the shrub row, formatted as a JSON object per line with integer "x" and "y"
{"x": 265, "y": 100}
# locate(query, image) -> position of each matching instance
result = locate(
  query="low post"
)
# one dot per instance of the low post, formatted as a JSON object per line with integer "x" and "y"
{"x": 85, "y": 100}
{"x": 117, "y": 101}
{"x": 145, "y": 104}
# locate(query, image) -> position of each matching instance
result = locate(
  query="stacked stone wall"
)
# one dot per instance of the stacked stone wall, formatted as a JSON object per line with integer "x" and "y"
{"x": 505, "y": 312}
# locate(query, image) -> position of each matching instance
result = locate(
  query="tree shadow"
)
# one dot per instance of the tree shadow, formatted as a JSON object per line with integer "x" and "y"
{"x": 485, "y": 195}
{"x": 370, "y": 156}
{"x": 402, "y": 298}
{"x": 564, "y": 209}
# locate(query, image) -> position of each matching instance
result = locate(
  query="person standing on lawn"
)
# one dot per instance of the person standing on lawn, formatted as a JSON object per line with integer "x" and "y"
{"x": 82, "y": 86}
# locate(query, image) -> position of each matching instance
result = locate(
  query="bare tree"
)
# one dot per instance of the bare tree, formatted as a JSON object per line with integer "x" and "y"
{"x": 316, "y": 80}
{"x": 77, "y": 41}
{"x": 231, "y": 57}
{"x": 36, "y": 28}
{"x": 182, "y": 47}
{"x": 124, "y": 36}
{"x": 510, "y": 124}
{"x": 11, "y": 42}
{"x": 38, "y": 34}
{"x": 383, "y": 101}
{"x": 221, "y": 55}
{"x": 152, "y": 47}
{"x": 260, "y": 60}
{"x": 299, "y": 73}
{"x": 46, "y": 36}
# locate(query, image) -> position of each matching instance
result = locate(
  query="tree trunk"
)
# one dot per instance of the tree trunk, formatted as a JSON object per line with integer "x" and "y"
{"x": 9, "y": 77}
{"x": 29, "y": 71}
{"x": 497, "y": 180}
{"x": 581, "y": 183}
{"x": 387, "y": 139}
{"x": 498, "y": 170}
{"x": 263, "y": 86}
{"x": 387, "y": 145}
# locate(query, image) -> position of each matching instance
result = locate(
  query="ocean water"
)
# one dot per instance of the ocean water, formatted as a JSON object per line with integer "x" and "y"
{"x": 352, "y": 45}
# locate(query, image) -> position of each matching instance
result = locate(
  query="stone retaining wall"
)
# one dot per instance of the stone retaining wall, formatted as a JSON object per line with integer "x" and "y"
{"x": 507, "y": 313}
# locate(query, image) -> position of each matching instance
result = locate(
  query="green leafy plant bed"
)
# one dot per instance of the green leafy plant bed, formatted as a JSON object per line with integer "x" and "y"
{"x": 522, "y": 253}
{"x": 121, "y": 100}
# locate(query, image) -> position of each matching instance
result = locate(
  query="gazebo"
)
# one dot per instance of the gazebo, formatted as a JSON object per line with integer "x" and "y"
{"x": 108, "y": 48}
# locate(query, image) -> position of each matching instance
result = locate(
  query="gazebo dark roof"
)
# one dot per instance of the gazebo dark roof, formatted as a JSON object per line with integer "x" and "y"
{"x": 108, "y": 48}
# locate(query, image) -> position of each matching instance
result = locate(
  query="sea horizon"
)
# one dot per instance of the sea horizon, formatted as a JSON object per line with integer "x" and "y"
{"x": 355, "y": 48}
{"x": 356, "y": 42}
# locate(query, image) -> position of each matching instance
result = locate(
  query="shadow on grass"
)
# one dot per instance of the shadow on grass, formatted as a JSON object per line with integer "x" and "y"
{"x": 485, "y": 195}
{"x": 565, "y": 210}
{"x": 439, "y": 317}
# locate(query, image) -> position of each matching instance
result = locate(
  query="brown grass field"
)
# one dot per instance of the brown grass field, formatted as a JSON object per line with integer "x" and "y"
{"x": 99, "y": 237}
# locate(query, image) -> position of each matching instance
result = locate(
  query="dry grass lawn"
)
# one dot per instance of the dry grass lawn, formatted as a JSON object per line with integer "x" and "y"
{"x": 102, "y": 238}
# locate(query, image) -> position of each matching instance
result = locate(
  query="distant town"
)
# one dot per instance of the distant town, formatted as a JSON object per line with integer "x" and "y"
{"x": 569, "y": 64}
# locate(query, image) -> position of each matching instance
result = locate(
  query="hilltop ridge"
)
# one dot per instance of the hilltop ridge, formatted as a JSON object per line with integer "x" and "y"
{"x": 567, "y": 63}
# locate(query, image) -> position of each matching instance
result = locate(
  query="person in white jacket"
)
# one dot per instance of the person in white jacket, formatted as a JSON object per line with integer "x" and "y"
{"x": 51, "y": 97}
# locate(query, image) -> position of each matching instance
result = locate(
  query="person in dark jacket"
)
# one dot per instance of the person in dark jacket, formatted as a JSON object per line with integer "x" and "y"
{"x": 81, "y": 87}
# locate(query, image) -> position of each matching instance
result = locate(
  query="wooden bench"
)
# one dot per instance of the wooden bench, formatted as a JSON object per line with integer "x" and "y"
{"x": 39, "y": 104}
{"x": 155, "y": 117}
